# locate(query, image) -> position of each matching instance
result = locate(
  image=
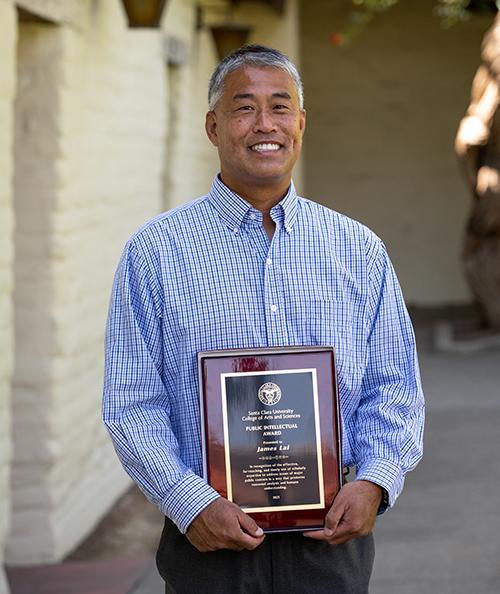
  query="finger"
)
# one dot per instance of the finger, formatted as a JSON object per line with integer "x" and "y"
{"x": 246, "y": 541}
{"x": 335, "y": 524}
{"x": 332, "y": 521}
{"x": 249, "y": 525}
{"x": 238, "y": 537}
{"x": 345, "y": 531}
{"x": 315, "y": 534}
{"x": 334, "y": 517}
{"x": 231, "y": 546}
{"x": 339, "y": 539}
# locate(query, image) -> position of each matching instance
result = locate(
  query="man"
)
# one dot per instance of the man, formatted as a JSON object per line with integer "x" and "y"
{"x": 253, "y": 265}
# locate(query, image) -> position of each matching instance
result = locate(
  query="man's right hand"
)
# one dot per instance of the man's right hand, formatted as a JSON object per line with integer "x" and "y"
{"x": 223, "y": 525}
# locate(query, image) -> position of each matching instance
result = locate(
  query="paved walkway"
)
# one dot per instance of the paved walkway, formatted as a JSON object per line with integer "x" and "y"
{"x": 443, "y": 537}
{"x": 112, "y": 576}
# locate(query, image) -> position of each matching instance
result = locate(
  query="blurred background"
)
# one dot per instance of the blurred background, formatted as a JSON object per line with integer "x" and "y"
{"x": 102, "y": 106}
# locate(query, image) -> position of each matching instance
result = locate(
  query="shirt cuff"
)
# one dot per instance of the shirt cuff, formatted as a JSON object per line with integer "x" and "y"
{"x": 385, "y": 474}
{"x": 188, "y": 498}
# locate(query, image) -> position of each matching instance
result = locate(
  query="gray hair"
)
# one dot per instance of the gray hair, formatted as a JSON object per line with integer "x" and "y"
{"x": 252, "y": 55}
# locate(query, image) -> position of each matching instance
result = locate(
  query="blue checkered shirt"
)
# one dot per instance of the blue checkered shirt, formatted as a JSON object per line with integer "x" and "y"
{"x": 206, "y": 276}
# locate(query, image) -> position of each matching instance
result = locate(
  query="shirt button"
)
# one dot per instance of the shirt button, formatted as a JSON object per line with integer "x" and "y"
{"x": 274, "y": 307}
{"x": 235, "y": 230}
{"x": 269, "y": 262}
{"x": 252, "y": 216}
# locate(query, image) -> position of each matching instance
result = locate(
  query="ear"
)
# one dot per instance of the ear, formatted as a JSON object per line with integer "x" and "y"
{"x": 303, "y": 120}
{"x": 211, "y": 127}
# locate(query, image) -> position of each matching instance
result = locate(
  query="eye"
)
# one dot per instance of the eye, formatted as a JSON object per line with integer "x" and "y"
{"x": 245, "y": 108}
{"x": 280, "y": 107}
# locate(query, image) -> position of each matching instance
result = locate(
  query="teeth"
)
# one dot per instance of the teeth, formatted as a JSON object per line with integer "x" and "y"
{"x": 265, "y": 146}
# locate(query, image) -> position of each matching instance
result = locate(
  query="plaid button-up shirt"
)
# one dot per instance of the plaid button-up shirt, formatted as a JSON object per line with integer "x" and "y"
{"x": 206, "y": 276}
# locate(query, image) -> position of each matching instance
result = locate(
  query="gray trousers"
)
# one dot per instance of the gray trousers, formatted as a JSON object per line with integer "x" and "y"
{"x": 285, "y": 563}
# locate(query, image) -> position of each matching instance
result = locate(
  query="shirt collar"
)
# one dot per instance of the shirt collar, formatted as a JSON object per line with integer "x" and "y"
{"x": 234, "y": 210}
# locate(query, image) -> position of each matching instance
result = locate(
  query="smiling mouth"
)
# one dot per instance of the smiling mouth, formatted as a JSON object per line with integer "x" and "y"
{"x": 265, "y": 147}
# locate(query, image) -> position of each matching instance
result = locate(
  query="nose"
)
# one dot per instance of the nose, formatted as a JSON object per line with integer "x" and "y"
{"x": 264, "y": 122}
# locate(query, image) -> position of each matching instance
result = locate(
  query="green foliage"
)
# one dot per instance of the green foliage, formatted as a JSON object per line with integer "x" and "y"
{"x": 450, "y": 12}
{"x": 454, "y": 11}
{"x": 375, "y": 5}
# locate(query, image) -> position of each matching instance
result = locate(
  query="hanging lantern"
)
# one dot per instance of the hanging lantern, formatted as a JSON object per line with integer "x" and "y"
{"x": 144, "y": 13}
{"x": 229, "y": 37}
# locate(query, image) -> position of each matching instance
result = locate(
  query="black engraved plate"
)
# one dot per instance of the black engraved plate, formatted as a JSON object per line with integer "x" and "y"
{"x": 273, "y": 443}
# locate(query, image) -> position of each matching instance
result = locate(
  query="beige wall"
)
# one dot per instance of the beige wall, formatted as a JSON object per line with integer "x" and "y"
{"x": 382, "y": 116}
{"x": 35, "y": 154}
{"x": 90, "y": 129}
{"x": 7, "y": 87}
{"x": 191, "y": 161}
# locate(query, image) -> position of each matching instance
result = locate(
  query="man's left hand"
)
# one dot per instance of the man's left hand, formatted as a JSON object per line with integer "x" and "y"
{"x": 352, "y": 514}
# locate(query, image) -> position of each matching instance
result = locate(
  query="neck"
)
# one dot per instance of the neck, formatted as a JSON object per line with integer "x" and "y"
{"x": 262, "y": 198}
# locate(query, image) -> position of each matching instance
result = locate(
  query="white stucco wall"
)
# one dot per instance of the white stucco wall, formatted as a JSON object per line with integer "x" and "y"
{"x": 191, "y": 161}
{"x": 7, "y": 89}
{"x": 36, "y": 149}
{"x": 382, "y": 117}
{"x": 90, "y": 132}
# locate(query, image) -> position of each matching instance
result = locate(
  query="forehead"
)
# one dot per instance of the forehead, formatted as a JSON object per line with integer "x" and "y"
{"x": 255, "y": 80}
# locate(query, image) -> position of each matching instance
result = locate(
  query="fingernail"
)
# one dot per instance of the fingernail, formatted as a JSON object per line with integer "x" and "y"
{"x": 259, "y": 532}
{"x": 328, "y": 532}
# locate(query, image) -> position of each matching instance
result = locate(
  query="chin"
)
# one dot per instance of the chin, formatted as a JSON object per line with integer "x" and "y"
{"x": 270, "y": 173}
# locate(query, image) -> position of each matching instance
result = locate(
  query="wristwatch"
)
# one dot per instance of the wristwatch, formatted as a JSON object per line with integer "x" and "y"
{"x": 384, "y": 504}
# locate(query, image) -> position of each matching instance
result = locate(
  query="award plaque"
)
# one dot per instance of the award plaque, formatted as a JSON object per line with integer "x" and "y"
{"x": 271, "y": 432}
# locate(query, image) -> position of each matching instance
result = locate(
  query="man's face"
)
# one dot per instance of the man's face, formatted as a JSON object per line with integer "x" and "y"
{"x": 257, "y": 127}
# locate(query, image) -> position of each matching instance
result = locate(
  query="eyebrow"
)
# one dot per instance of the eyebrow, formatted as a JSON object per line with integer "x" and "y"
{"x": 278, "y": 95}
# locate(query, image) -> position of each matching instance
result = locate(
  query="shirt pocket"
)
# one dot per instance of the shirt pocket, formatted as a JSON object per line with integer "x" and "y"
{"x": 336, "y": 323}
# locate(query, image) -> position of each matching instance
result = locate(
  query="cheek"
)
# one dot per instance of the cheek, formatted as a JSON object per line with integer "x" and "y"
{"x": 295, "y": 139}
{"x": 239, "y": 127}
{"x": 298, "y": 136}
{"x": 293, "y": 130}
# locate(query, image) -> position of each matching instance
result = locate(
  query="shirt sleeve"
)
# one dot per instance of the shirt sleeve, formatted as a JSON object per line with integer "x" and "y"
{"x": 390, "y": 416}
{"x": 136, "y": 404}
